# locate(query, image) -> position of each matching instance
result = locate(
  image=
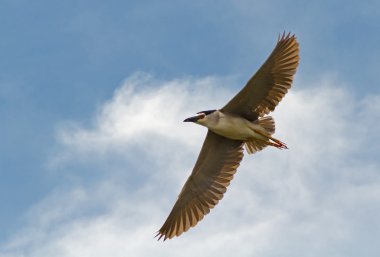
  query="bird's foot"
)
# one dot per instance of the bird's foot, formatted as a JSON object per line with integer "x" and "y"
{"x": 278, "y": 144}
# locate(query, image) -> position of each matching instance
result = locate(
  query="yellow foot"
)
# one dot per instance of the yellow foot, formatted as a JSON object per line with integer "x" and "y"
{"x": 278, "y": 144}
{"x": 273, "y": 141}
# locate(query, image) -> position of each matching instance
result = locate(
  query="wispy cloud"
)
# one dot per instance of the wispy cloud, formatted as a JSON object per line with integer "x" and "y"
{"x": 320, "y": 198}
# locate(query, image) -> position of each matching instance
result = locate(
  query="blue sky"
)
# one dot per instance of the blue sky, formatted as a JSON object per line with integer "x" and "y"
{"x": 70, "y": 71}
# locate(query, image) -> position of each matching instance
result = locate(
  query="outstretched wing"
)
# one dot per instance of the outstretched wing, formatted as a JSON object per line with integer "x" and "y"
{"x": 212, "y": 173}
{"x": 270, "y": 83}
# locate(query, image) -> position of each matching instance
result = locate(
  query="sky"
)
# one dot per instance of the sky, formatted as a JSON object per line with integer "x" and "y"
{"x": 93, "y": 150}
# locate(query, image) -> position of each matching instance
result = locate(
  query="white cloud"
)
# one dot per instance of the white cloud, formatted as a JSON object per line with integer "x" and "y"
{"x": 319, "y": 198}
{"x": 140, "y": 111}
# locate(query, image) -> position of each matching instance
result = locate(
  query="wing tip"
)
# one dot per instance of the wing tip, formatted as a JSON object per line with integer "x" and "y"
{"x": 284, "y": 37}
{"x": 160, "y": 236}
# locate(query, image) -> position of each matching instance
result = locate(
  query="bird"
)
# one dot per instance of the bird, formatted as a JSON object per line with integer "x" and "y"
{"x": 242, "y": 123}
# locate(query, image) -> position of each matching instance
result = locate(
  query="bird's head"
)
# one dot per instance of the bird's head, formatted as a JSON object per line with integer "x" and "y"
{"x": 201, "y": 117}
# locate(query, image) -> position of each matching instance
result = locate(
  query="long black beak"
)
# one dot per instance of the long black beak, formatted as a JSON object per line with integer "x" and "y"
{"x": 192, "y": 119}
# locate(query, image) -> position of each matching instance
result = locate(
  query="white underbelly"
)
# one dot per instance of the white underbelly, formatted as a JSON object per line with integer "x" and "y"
{"x": 236, "y": 128}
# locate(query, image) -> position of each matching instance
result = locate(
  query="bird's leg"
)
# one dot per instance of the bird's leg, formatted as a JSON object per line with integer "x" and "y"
{"x": 280, "y": 145}
{"x": 276, "y": 143}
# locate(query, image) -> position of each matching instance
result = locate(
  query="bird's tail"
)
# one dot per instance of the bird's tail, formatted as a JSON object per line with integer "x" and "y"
{"x": 255, "y": 145}
{"x": 267, "y": 123}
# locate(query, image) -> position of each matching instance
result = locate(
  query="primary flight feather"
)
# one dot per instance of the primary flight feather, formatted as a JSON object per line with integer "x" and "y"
{"x": 241, "y": 122}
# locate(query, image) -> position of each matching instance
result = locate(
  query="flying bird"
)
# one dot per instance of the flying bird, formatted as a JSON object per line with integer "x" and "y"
{"x": 241, "y": 122}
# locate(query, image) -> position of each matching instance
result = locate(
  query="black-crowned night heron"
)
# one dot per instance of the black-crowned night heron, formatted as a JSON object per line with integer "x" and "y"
{"x": 241, "y": 122}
